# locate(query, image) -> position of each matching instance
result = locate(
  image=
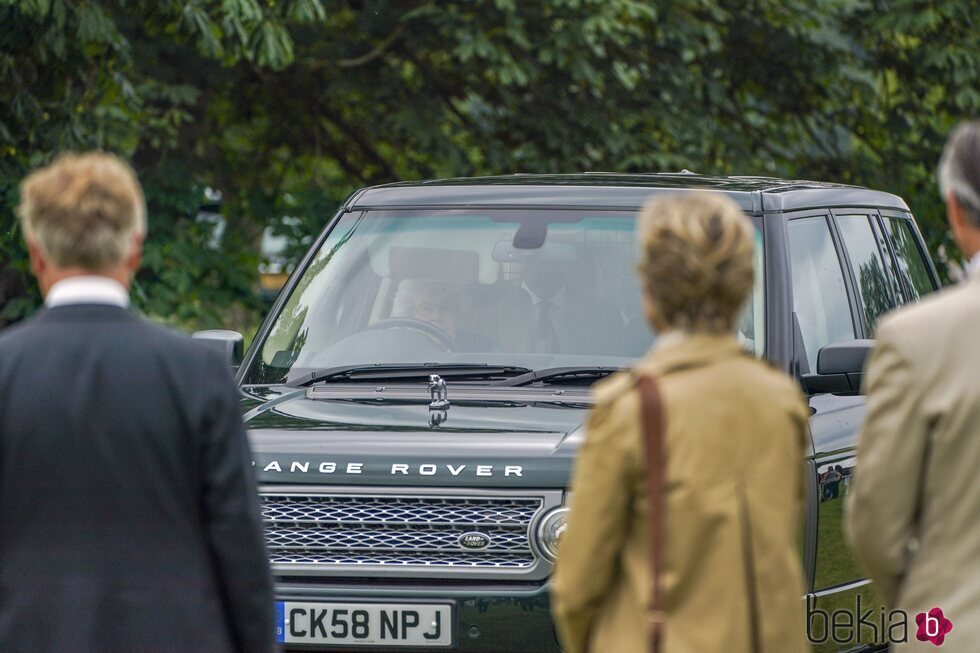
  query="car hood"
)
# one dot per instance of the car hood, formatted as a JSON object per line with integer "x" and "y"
{"x": 488, "y": 438}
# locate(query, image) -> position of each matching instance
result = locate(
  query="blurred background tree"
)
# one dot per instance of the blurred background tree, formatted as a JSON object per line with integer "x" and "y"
{"x": 285, "y": 106}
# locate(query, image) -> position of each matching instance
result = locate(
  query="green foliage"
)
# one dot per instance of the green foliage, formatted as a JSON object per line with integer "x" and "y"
{"x": 186, "y": 278}
{"x": 288, "y": 105}
{"x": 78, "y": 76}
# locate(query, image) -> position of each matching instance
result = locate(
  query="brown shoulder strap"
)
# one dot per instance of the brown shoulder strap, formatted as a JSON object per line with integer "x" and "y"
{"x": 653, "y": 431}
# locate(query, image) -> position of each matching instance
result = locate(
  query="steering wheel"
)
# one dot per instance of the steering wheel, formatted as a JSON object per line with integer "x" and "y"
{"x": 419, "y": 325}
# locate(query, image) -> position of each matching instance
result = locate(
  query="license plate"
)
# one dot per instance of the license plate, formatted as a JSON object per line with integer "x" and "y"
{"x": 364, "y": 624}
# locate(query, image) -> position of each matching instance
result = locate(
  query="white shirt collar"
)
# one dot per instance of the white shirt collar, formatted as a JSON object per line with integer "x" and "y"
{"x": 558, "y": 299}
{"x": 973, "y": 267}
{"x": 87, "y": 290}
{"x": 670, "y": 339}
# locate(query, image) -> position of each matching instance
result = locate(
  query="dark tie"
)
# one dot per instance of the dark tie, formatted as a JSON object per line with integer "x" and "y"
{"x": 546, "y": 329}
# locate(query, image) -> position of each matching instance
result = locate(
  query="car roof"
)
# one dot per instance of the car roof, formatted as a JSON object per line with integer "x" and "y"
{"x": 614, "y": 191}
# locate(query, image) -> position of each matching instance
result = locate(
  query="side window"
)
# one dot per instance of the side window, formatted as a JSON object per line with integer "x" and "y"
{"x": 819, "y": 294}
{"x": 867, "y": 266}
{"x": 913, "y": 271}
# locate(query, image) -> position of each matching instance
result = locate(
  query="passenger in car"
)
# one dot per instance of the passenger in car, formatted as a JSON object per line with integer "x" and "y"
{"x": 566, "y": 318}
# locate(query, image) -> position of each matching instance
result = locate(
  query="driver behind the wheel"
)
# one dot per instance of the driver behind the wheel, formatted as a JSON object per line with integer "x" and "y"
{"x": 440, "y": 303}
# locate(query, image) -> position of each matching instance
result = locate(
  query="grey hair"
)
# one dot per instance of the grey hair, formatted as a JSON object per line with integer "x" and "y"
{"x": 83, "y": 210}
{"x": 959, "y": 169}
{"x": 410, "y": 291}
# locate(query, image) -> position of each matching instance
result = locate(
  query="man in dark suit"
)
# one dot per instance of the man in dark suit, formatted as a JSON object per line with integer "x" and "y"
{"x": 568, "y": 320}
{"x": 129, "y": 518}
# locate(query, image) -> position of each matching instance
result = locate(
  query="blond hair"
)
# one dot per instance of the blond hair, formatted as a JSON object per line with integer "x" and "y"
{"x": 696, "y": 260}
{"x": 83, "y": 210}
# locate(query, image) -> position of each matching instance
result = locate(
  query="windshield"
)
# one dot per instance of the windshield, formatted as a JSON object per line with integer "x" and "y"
{"x": 535, "y": 289}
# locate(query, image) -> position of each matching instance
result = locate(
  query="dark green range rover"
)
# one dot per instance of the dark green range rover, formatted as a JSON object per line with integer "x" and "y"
{"x": 416, "y": 396}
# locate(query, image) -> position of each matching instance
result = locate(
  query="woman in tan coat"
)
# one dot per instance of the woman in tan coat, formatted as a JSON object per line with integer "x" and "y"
{"x": 733, "y": 438}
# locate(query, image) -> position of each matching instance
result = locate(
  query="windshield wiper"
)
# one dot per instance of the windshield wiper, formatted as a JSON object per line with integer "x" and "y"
{"x": 559, "y": 375}
{"x": 384, "y": 372}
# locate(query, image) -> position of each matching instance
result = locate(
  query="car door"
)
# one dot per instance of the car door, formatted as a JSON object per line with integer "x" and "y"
{"x": 826, "y": 310}
{"x": 884, "y": 265}
{"x": 838, "y": 582}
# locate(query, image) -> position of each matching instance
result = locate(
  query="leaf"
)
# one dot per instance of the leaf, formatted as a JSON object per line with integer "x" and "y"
{"x": 247, "y": 11}
{"x": 273, "y": 46}
{"x": 307, "y": 11}
{"x": 94, "y": 26}
{"x": 206, "y": 30}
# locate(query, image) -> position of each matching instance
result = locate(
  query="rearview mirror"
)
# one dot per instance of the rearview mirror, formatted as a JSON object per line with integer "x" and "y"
{"x": 550, "y": 252}
{"x": 840, "y": 367}
{"x": 230, "y": 344}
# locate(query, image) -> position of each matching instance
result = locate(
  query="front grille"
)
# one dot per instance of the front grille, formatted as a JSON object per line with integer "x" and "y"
{"x": 334, "y": 531}
{"x": 474, "y": 560}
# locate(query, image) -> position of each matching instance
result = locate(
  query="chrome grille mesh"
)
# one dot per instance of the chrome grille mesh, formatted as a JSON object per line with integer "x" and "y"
{"x": 378, "y": 510}
{"x": 394, "y": 531}
{"x": 413, "y": 539}
{"x": 462, "y": 559}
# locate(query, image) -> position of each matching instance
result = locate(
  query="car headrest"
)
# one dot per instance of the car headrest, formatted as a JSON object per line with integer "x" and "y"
{"x": 432, "y": 263}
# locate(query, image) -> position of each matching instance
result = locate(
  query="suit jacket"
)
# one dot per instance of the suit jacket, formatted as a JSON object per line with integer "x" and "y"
{"x": 586, "y": 324}
{"x": 129, "y": 518}
{"x": 735, "y": 437}
{"x": 913, "y": 505}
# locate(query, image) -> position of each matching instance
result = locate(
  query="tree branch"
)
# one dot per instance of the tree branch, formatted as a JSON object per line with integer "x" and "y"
{"x": 387, "y": 172}
{"x": 340, "y": 156}
{"x": 376, "y": 52}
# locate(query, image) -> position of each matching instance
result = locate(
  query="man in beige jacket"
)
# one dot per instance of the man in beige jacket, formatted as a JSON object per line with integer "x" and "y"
{"x": 913, "y": 511}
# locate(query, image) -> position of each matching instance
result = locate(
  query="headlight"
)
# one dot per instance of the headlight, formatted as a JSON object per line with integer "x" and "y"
{"x": 550, "y": 531}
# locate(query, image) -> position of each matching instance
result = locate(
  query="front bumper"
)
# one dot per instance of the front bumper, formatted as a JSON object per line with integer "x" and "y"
{"x": 489, "y": 619}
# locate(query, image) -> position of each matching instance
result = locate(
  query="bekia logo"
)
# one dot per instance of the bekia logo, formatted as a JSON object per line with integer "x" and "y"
{"x": 932, "y": 626}
{"x": 870, "y": 626}
{"x": 847, "y": 626}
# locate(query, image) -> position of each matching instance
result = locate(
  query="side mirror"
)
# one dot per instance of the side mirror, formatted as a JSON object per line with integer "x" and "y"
{"x": 231, "y": 344}
{"x": 840, "y": 367}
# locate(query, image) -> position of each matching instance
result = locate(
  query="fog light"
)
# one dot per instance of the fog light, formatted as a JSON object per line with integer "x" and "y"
{"x": 550, "y": 531}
